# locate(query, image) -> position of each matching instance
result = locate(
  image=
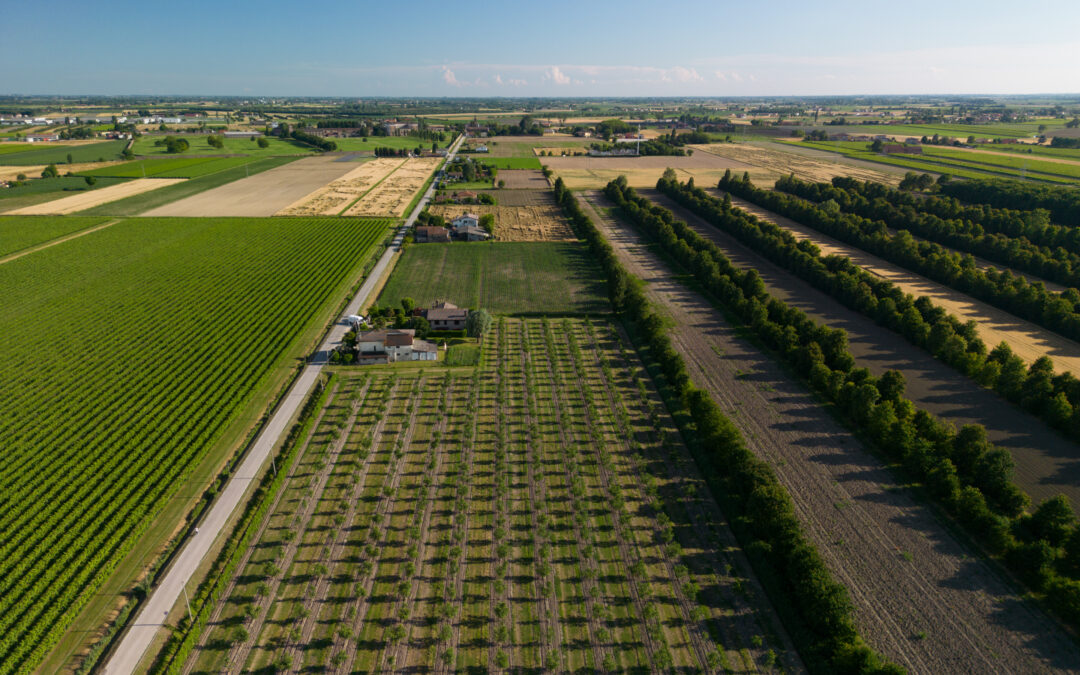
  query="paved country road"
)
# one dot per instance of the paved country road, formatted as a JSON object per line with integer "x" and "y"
{"x": 135, "y": 641}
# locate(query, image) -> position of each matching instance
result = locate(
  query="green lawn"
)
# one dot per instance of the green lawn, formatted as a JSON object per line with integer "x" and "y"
{"x": 144, "y": 146}
{"x": 137, "y": 204}
{"x": 57, "y": 154}
{"x": 502, "y": 277}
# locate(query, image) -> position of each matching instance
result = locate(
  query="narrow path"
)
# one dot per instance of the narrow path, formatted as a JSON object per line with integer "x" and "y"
{"x": 920, "y": 597}
{"x": 58, "y": 240}
{"x": 151, "y": 618}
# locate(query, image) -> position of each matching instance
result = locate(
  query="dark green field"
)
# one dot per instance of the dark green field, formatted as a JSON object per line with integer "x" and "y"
{"x": 57, "y": 154}
{"x": 502, "y": 277}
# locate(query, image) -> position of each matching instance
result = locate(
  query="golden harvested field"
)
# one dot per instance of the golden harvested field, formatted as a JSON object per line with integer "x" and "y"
{"x": 565, "y": 151}
{"x": 524, "y": 179}
{"x": 596, "y": 172}
{"x": 517, "y": 223}
{"x": 104, "y": 195}
{"x": 773, "y": 164}
{"x": 333, "y": 198}
{"x": 395, "y": 192}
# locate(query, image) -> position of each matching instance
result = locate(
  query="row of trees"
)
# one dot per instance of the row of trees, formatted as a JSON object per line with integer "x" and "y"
{"x": 816, "y": 607}
{"x": 324, "y": 144}
{"x": 902, "y": 211}
{"x": 1059, "y": 312}
{"x": 970, "y": 477}
{"x": 1062, "y": 202}
{"x": 1054, "y": 398}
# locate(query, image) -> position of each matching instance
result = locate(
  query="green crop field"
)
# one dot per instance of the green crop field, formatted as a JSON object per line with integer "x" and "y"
{"x": 57, "y": 154}
{"x": 144, "y": 146}
{"x": 38, "y": 190}
{"x": 502, "y": 277}
{"x": 20, "y": 232}
{"x": 538, "y": 513}
{"x": 1025, "y": 163}
{"x": 12, "y": 148}
{"x": 512, "y": 162}
{"x": 175, "y": 167}
{"x": 126, "y": 353}
{"x": 396, "y": 142}
{"x": 137, "y": 204}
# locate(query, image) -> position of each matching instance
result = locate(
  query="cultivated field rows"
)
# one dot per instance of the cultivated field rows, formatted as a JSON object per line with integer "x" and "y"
{"x": 1046, "y": 463}
{"x": 391, "y": 196}
{"x": 339, "y": 194}
{"x": 920, "y": 597}
{"x": 537, "y": 513}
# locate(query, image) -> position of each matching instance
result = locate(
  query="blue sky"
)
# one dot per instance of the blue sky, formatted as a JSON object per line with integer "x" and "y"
{"x": 470, "y": 48}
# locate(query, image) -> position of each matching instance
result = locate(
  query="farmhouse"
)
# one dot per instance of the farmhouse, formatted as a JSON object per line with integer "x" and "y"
{"x": 425, "y": 234}
{"x": 243, "y": 134}
{"x": 394, "y": 344}
{"x": 472, "y": 233}
{"x": 466, "y": 220}
{"x": 445, "y": 316}
{"x": 41, "y": 138}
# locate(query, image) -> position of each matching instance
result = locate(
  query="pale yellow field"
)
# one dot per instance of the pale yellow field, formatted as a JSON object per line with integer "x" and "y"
{"x": 596, "y": 172}
{"x": 12, "y": 172}
{"x": 392, "y": 196}
{"x": 333, "y": 198}
{"x": 773, "y": 164}
{"x": 93, "y": 198}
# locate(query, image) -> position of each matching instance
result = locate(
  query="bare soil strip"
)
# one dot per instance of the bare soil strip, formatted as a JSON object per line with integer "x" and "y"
{"x": 523, "y": 179}
{"x": 59, "y": 240}
{"x": 86, "y": 200}
{"x": 1046, "y": 463}
{"x": 261, "y": 195}
{"x": 921, "y": 598}
{"x": 1027, "y": 340}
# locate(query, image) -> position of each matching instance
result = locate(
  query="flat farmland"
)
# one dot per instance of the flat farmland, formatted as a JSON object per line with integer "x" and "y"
{"x": 179, "y": 323}
{"x": 21, "y": 232}
{"x": 921, "y": 597}
{"x": 777, "y": 161}
{"x": 526, "y": 146}
{"x": 179, "y": 167}
{"x": 501, "y": 277}
{"x": 538, "y": 513}
{"x": 261, "y": 195}
{"x": 596, "y": 172}
{"x": 34, "y": 170}
{"x": 338, "y": 195}
{"x": 144, "y": 146}
{"x": 507, "y": 197}
{"x": 91, "y": 198}
{"x": 517, "y": 223}
{"x": 48, "y": 153}
{"x": 524, "y": 179}
{"x": 391, "y": 196}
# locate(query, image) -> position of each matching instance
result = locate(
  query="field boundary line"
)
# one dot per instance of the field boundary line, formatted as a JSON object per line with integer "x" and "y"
{"x": 58, "y": 240}
{"x": 377, "y": 184}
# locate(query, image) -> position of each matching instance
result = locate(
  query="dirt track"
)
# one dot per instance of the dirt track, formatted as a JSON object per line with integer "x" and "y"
{"x": 920, "y": 597}
{"x": 86, "y": 200}
{"x": 1046, "y": 463}
{"x": 261, "y": 195}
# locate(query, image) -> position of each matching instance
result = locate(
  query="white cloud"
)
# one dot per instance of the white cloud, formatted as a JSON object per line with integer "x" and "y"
{"x": 556, "y": 75}
{"x": 720, "y": 75}
{"x": 680, "y": 74}
{"x": 498, "y": 79}
{"x": 449, "y": 77}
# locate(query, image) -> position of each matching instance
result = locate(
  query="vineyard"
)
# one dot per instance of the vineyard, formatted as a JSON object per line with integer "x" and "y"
{"x": 502, "y": 277}
{"x": 126, "y": 353}
{"x": 21, "y": 232}
{"x": 537, "y": 512}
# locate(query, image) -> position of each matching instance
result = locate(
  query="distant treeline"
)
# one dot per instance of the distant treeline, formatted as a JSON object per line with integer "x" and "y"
{"x": 1063, "y": 203}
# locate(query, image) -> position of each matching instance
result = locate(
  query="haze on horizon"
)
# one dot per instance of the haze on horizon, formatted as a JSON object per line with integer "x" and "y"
{"x": 560, "y": 49}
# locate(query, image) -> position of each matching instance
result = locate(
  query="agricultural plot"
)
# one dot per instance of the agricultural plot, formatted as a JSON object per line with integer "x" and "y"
{"x": 506, "y": 197}
{"x": 179, "y": 322}
{"x": 778, "y": 162}
{"x": 396, "y": 142}
{"x": 91, "y": 198}
{"x": 502, "y": 277}
{"x": 58, "y": 154}
{"x": 42, "y": 190}
{"x": 512, "y": 163}
{"x": 517, "y": 223}
{"x": 527, "y": 146}
{"x": 259, "y": 195}
{"x": 595, "y": 172}
{"x": 537, "y": 514}
{"x": 21, "y": 232}
{"x": 524, "y": 179}
{"x": 332, "y": 199}
{"x": 396, "y": 192}
{"x": 180, "y": 167}
{"x": 144, "y": 146}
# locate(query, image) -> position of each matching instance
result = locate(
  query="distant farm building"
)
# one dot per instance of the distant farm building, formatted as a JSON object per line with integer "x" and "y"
{"x": 392, "y": 345}
{"x": 472, "y": 233}
{"x": 243, "y": 134}
{"x": 466, "y": 220}
{"x": 426, "y": 234}
{"x": 898, "y": 149}
{"x": 445, "y": 316}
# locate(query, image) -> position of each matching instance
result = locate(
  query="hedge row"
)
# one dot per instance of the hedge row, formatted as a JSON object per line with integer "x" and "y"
{"x": 816, "y": 609}
{"x": 967, "y": 475}
{"x": 1055, "y": 398}
{"x": 1063, "y": 203}
{"x": 182, "y": 641}
{"x": 957, "y": 228}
